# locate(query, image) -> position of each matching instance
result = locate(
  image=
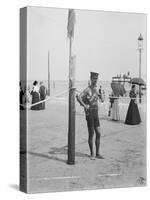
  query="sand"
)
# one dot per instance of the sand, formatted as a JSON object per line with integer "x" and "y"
{"x": 123, "y": 147}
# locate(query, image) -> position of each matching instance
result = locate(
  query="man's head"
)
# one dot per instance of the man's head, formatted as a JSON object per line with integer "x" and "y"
{"x": 35, "y": 83}
{"x": 94, "y": 78}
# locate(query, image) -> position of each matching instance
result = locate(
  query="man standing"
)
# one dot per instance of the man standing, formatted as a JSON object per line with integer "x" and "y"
{"x": 42, "y": 92}
{"x": 89, "y": 100}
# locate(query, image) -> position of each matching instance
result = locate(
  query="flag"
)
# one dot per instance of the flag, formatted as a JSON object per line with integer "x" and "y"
{"x": 71, "y": 23}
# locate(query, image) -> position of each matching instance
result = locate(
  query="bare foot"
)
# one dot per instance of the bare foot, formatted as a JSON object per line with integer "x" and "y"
{"x": 92, "y": 157}
{"x": 99, "y": 156}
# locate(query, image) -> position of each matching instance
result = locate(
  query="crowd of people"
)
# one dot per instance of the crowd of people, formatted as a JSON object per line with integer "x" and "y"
{"x": 38, "y": 94}
{"x": 34, "y": 96}
{"x": 88, "y": 98}
{"x": 133, "y": 115}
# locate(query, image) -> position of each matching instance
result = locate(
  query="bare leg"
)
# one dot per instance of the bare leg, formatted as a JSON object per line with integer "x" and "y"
{"x": 97, "y": 142}
{"x": 90, "y": 140}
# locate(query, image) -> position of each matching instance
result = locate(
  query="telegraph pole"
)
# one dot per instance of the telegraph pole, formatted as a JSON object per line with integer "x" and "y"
{"x": 48, "y": 75}
{"x": 71, "y": 120}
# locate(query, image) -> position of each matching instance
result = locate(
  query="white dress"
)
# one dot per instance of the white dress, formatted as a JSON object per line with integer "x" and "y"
{"x": 115, "y": 110}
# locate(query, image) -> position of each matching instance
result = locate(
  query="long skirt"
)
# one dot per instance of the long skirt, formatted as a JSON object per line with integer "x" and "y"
{"x": 42, "y": 105}
{"x": 133, "y": 115}
{"x": 35, "y": 99}
{"x": 115, "y": 110}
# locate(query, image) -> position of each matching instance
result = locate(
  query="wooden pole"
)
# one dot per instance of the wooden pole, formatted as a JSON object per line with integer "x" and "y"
{"x": 140, "y": 52}
{"x": 48, "y": 76}
{"x": 71, "y": 120}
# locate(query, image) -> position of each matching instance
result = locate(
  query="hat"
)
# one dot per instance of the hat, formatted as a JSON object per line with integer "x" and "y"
{"x": 94, "y": 75}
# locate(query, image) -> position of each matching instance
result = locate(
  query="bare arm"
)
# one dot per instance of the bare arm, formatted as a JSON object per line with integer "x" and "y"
{"x": 80, "y": 98}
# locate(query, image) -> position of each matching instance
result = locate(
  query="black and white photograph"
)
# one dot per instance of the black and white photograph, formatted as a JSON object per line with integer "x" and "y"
{"x": 83, "y": 99}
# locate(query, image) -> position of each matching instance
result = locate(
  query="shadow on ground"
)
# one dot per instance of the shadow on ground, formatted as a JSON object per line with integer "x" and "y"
{"x": 55, "y": 152}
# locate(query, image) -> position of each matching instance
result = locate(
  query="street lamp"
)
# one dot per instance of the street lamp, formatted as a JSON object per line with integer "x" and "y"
{"x": 140, "y": 48}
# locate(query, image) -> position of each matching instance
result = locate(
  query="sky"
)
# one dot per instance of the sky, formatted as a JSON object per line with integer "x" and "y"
{"x": 104, "y": 42}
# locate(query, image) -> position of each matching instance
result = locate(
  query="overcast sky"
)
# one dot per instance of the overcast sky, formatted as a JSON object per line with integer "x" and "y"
{"x": 105, "y": 42}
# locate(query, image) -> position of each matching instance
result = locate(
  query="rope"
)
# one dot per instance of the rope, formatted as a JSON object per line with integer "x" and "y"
{"x": 49, "y": 98}
{"x": 65, "y": 91}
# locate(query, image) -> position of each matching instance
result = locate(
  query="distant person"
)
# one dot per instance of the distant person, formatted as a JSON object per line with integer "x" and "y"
{"x": 27, "y": 95}
{"x": 115, "y": 109}
{"x": 101, "y": 94}
{"x": 21, "y": 96}
{"x": 35, "y": 96}
{"x": 89, "y": 100}
{"x": 43, "y": 93}
{"x": 133, "y": 115}
{"x": 111, "y": 100}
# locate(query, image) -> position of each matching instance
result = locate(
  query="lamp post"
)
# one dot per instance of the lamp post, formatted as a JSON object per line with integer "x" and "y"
{"x": 140, "y": 48}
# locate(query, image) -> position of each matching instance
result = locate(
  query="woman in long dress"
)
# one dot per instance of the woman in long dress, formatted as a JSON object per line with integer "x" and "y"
{"x": 133, "y": 115}
{"x": 35, "y": 96}
{"x": 115, "y": 109}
